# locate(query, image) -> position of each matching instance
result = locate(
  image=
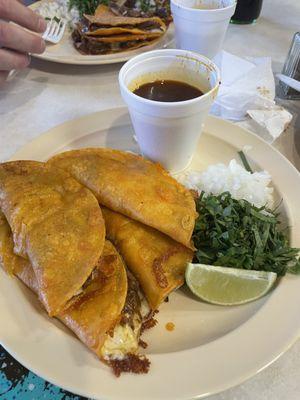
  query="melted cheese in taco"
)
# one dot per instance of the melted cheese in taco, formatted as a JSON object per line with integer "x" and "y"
{"x": 125, "y": 337}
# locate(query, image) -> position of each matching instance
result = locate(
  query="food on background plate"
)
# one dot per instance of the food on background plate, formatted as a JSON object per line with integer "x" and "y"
{"x": 106, "y": 314}
{"x": 59, "y": 9}
{"x": 105, "y": 22}
{"x": 106, "y": 32}
{"x": 128, "y": 8}
{"x": 55, "y": 221}
{"x": 105, "y": 27}
{"x": 142, "y": 8}
{"x": 157, "y": 261}
{"x": 72, "y": 10}
{"x": 131, "y": 185}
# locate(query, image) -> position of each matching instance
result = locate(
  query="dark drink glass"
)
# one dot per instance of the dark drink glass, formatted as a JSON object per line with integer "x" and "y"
{"x": 247, "y": 11}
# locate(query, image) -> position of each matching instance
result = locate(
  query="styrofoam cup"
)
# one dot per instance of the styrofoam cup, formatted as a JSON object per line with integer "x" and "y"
{"x": 201, "y": 25}
{"x": 168, "y": 132}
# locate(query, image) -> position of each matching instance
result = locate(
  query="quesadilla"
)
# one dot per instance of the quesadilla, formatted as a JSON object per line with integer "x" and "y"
{"x": 157, "y": 261}
{"x": 56, "y": 223}
{"x": 135, "y": 187}
{"x": 106, "y": 314}
{"x": 106, "y": 32}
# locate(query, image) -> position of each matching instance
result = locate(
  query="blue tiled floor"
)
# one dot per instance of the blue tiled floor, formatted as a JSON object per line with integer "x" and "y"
{"x": 17, "y": 383}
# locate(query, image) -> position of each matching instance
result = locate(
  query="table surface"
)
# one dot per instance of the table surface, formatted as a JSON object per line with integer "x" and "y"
{"x": 47, "y": 94}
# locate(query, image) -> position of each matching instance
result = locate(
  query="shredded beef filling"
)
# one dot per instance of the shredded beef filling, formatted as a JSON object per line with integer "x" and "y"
{"x": 89, "y": 45}
{"x": 135, "y": 363}
{"x": 132, "y": 363}
{"x": 149, "y": 321}
{"x": 132, "y": 305}
{"x": 146, "y": 25}
{"x": 143, "y": 344}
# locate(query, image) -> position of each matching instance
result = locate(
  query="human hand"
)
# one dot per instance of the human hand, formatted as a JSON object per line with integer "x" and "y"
{"x": 15, "y": 42}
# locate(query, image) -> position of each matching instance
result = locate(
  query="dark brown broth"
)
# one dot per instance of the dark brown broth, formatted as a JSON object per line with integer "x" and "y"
{"x": 167, "y": 91}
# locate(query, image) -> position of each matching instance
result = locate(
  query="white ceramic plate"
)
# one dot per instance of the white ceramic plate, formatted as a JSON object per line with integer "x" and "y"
{"x": 65, "y": 53}
{"x": 212, "y": 347}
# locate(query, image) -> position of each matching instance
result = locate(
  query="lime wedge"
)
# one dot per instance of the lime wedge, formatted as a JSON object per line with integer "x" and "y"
{"x": 228, "y": 286}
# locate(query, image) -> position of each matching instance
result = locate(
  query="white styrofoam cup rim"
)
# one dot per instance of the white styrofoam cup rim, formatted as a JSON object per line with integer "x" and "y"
{"x": 206, "y": 10}
{"x": 168, "y": 52}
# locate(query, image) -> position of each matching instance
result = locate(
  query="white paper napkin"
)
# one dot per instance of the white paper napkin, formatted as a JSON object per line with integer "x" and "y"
{"x": 247, "y": 94}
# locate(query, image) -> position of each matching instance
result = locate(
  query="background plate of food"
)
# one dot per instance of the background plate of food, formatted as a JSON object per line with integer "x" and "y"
{"x": 196, "y": 348}
{"x": 106, "y": 32}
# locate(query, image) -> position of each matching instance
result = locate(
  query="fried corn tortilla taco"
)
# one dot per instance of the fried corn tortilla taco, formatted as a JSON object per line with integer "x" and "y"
{"x": 106, "y": 314}
{"x": 99, "y": 302}
{"x": 56, "y": 224}
{"x": 133, "y": 186}
{"x": 109, "y": 313}
{"x": 9, "y": 261}
{"x": 157, "y": 261}
{"x": 105, "y": 32}
{"x": 124, "y": 38}
{"x": 93, "y": 46}
{"x": 105, "y": 18}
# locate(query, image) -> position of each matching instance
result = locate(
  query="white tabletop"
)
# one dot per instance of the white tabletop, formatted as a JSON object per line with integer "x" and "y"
{"x": 48, "y": 94}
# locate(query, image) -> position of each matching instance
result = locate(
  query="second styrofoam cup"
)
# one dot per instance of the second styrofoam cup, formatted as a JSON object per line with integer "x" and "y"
{"x": 201, "y": 25}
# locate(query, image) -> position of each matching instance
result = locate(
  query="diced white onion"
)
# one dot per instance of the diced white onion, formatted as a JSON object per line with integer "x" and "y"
{"x": 58, "y": 9}
{"x": 233, "y": 178}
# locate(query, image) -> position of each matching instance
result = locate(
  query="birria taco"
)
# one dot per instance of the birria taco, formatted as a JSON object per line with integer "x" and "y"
{"x": 135, "y": 187}
{"x": 105, "y": 32}
{"x": 107, "y": 313}
{"x": 56, "y": 224}
{"x": 157, "y": 261}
